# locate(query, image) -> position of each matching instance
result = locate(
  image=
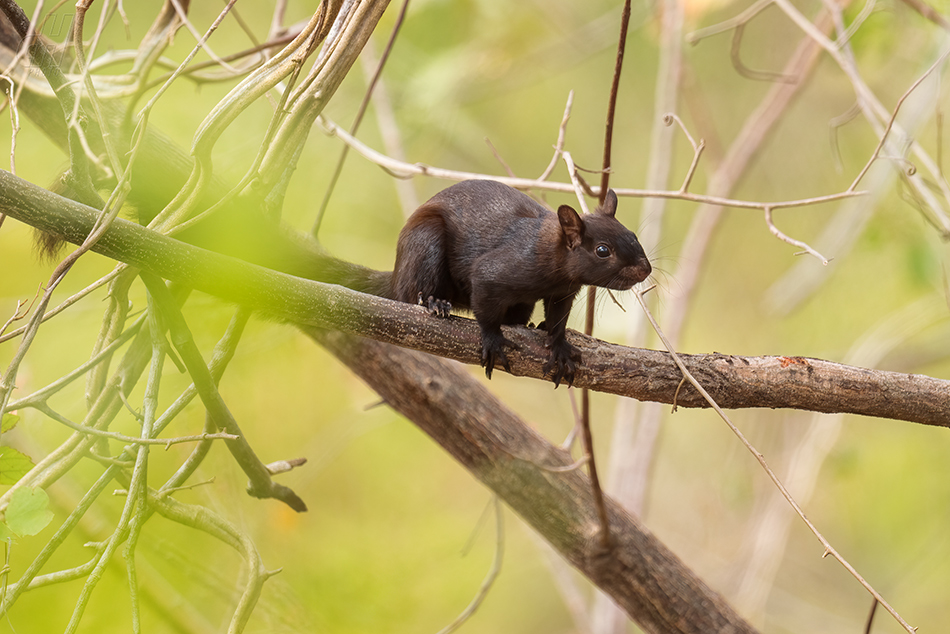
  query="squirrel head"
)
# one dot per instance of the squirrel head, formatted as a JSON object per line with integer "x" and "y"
{"x": 601, "y": 250}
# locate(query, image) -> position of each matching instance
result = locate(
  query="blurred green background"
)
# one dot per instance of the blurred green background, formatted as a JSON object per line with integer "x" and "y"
{"x": 398, "y": 537}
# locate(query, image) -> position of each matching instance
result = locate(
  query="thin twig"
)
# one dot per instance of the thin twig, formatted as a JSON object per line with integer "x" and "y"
{"x": 856, "y": 23}
{"x": 890, "y": 123}
{"x": 23, "y": 308}
{"x": 577, "y": 464}
{"x": 389, "y": 129}
{"x": 131, "y": 440}
{"x": 870, "y": 621}
{"x": 829, "y": 549}
{"x": 364, "y": 104}
{"x": 138, "y": 483}
{"x": 784, "y": 238}
{"x": 85, "y": 82}
{"x": 202, "y": 39}
{"x": 575, "y": 428}
{"x": 730, "y": 24}
{"x": 698, "y": 148}
{"x": 928, "y": 12}
{"x": 402, "y": 169}
{"x": 836, "y": 122}
{"x": 49, "y": 314}
{"x": 578, "y": 188}
{"x": 606, "y": 163}
{"x": 612, "y": 101}
{"x": 499, "y": 157}
{"x": 561, "y": 135}
{"x": 493, "y": 573}
{"x": 261, "y": 484}
{"x": 751, "y": 73}
{"x": 597, "y": 491}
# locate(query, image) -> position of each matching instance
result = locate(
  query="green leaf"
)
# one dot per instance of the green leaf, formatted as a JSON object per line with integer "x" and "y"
{"x": 28, "y": 512}
{"x": 13, "y": 465}
{"x": 5, "y": 532}
{"x": 9, "y": 422}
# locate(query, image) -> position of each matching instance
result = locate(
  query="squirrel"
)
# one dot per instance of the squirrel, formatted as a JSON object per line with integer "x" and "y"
{"x": 478, "y": 245}
{"x": 487, "y": 247}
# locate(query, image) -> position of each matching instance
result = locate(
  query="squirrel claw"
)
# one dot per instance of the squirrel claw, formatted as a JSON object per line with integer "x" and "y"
{"x": 560, "y": 365}
{"x": 438, "y": 307}
{"x": 493, "y": 351}
{"x": 489, "y": 359}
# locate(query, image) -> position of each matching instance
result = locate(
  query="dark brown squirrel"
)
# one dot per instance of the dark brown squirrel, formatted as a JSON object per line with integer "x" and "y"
{"x": 484, "y": 246}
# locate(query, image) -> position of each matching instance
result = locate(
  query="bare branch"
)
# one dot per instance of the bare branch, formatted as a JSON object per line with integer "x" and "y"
{"x": 561, "y": 135}
{"x": 493, "y": 572}
{"x": 928, "y": 12}
{"x": 261, "y": 485}
{"x": 784, "y": 238}
{"x": 483, "y": 435}
{"x": 890, "y": 123}
{"x": 731, "y": 23}
{"x": 401, "y": 169}
{"x": 111, "y": 435}
{"x": 829, "y": 549}
{"x": 698, "y": 148}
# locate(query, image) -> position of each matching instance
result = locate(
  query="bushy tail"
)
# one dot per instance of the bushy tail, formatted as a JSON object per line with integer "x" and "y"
{"x": 331, "y": 270}
{"x": 259, "y": 241}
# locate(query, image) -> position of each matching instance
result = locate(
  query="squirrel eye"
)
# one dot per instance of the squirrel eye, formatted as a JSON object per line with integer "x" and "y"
{"x": 602, "y": 251}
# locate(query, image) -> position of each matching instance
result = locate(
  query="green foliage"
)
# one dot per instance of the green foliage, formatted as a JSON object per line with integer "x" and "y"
{"x": 9, "y": 422}
{"x": 13, "y": 465}
{"x": 28, "y": 512}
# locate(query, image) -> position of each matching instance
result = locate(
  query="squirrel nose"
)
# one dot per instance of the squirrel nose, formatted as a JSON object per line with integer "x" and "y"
{"x": 646, "y": 267}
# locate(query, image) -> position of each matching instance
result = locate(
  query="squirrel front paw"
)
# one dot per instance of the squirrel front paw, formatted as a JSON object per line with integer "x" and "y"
{"x": 493, "y": 351}
{"x": 561, "y": 363}
{"x": 438, "y": 307}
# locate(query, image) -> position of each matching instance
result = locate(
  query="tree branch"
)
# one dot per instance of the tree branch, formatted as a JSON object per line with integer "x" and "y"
{"x": 734, "y": 382}
{"x": 644, "y": 577}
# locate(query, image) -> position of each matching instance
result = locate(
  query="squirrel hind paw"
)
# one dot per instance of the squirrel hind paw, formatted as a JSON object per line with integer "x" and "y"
{"x": 438, "y": 307}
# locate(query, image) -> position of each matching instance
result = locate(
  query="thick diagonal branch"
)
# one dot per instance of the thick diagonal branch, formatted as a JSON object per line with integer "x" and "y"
{"x": 647, "y": 580}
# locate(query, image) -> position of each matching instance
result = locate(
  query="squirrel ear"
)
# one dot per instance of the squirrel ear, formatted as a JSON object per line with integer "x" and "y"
{"x": 609, "y": 208}
{"x": 571, "y": 226}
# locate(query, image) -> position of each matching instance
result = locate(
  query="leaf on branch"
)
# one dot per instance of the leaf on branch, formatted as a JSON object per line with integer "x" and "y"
{"x": 28, "y": 512}
{"x": 13, "y": 464}
{"x": 9, "y": 422}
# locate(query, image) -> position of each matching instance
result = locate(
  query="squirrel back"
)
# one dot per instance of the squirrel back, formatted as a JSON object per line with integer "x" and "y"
{"x": 482, "y": 230}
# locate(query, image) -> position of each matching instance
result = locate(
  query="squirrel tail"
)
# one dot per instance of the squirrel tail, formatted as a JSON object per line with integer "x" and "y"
{"x": 330, "y": 270}
{"x": 259, "y": 241}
